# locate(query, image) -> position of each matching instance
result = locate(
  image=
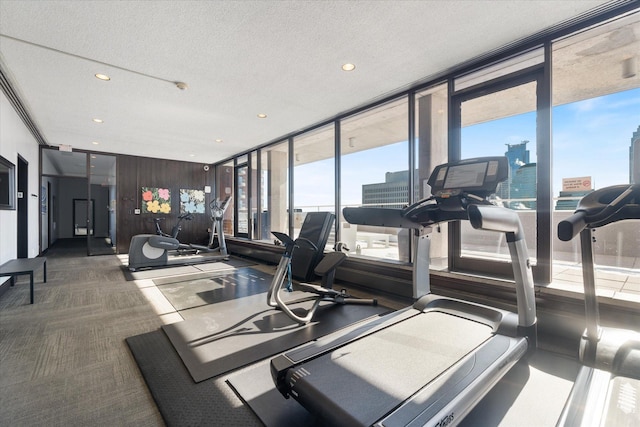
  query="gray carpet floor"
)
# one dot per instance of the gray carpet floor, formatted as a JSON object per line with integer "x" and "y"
{"x": 64, "y": 360}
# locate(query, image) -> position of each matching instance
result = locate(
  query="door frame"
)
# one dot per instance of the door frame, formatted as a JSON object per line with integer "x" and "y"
{"x": 22, "y": 204}
{"x": 539, "y": 75}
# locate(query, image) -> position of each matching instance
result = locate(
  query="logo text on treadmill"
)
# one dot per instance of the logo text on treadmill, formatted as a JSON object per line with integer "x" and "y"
{"x": 445, "y": 421}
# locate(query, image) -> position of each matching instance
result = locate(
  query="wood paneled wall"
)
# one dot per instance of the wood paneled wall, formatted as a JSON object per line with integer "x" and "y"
{"x": 136, "y": 172}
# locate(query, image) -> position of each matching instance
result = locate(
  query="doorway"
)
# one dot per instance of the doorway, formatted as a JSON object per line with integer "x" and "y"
{"x": 242, "y": 189}
{"x": 500, "y": 117}
{"x": 72, "y": 178}
{"x": 101, "y": 212}
{"x": 23, "y": 201}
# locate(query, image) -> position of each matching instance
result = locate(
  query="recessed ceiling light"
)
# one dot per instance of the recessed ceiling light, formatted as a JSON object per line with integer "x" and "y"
{"x": 97, "y": 120}
{"x": 95, "y": 143}
{"x": 262, "y": 116}
{"x": 103, "y": 77}
{"x": 348, "y": 67}
{"x": 219, "y": 140}
{"x": 192, "y": 155}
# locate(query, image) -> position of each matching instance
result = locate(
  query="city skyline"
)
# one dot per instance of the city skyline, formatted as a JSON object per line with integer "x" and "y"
{"x": 590, "y": 138}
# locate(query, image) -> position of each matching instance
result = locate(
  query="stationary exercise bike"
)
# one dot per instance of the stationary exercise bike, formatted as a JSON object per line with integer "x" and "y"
{"x": 321, "y": 293}
{"x": 149, "y": 250}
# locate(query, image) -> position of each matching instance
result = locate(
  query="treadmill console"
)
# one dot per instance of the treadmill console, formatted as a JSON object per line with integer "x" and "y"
{"x": 479, "y": 176}
{"x": 456, "y": 185}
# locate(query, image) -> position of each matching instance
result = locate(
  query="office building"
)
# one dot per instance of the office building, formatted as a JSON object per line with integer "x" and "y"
{"x": 634, "y": 158}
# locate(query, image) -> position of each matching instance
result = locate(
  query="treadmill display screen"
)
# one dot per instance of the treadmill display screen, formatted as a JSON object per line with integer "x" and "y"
{"x": 465, "y": 176}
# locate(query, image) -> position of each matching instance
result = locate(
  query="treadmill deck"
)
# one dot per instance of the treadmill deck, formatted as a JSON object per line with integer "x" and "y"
{"x": 364, "y": 380}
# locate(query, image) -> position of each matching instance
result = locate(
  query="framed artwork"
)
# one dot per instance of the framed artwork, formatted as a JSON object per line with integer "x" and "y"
{"x": 191, "y": 201}
{"x": 156, "y": 200}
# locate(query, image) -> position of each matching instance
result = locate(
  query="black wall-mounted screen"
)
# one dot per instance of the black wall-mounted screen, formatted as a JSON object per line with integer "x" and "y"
{"x": 7, "y": 184}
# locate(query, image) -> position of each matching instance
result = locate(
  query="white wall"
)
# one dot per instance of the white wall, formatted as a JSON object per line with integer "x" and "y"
{"x": 15, "y": 139}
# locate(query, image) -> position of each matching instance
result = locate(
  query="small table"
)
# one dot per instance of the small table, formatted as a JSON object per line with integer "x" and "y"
{"x": 20, "y": 266}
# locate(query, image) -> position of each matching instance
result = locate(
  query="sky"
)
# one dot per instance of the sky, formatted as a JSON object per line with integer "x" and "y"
{"x": 590, "y": 138}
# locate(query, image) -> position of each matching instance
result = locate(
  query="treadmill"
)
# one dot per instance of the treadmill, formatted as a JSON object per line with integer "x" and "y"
{"x": 607, "y": 389}
{"x": 432, "y": 362}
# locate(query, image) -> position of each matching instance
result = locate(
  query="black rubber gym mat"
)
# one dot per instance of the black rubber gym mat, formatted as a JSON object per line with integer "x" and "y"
{"x": 181, "y": 401}
{"x": 200, "y": 289}
{"x": 256, "y": 389}
{"x": 231, "y": 334}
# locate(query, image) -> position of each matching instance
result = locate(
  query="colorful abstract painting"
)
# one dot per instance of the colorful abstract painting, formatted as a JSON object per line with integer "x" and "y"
{"x": 191, "y": 201}
{"x": 156, "y": 200}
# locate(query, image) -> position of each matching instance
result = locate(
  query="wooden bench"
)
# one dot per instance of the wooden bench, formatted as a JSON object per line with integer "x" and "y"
{"x": 20, "y": 266}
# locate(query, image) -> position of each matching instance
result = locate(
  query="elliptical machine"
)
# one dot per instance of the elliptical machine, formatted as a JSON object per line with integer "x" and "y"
{"x": 176, "y": 228}
{"x": 218, "y": 208}
{"x": 149, "y": 250}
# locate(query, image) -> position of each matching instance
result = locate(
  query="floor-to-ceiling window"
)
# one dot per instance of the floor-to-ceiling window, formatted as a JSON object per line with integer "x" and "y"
{"x": 313, "y": 175}
{"x": 374, "y": 171}
{"x": 596, "y": 143}
{"x": 241, "y": 202}
{"x": 587, "y": 82}
{"x": 255, "y": 194}
{"x": 496, "y": 113}
{"x": 224, "y": 189}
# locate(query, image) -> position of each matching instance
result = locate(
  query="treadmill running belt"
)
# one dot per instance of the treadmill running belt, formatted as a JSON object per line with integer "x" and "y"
{"x": 373, "y": 375}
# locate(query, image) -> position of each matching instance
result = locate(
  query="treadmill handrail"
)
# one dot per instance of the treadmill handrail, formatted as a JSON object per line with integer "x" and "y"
{"x": 495, "y": 218}
{"x": 593, "y": 213}
{"x": 499, "y": 219}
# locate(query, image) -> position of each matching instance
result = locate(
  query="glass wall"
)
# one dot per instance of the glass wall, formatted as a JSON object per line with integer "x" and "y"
{"x": 241, "y": 201}
{"x": 254, "y": 194}
{"x": 102, "y": 180}
{"x": 375, "y": 172}
{"x": 224, "y": 189}
{"x": 506, "y": 131}
{"x": 596, "y": 134}
{"x": 591, "y": 88}
{"x": 314, "y": 175}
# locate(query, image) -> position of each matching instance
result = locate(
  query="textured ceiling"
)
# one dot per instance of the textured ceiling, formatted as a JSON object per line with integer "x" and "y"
{"x": 238, "y": 58}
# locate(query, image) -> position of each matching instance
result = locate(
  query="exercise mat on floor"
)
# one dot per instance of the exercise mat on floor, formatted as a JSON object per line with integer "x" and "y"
{"x": 181, "y": 401}
{"x": 236, "y": 333}
{"x": 195, "y": 290}
{"x": 255, "y": 387}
